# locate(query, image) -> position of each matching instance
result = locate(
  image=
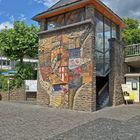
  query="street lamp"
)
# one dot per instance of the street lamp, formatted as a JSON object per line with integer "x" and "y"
{"x": 8, "y": 82}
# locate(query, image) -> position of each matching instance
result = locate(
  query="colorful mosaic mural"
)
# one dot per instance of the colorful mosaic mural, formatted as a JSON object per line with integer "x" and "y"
{"x": 65, "y": 64}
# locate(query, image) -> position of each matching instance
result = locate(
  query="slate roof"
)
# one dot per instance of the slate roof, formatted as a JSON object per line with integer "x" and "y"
{"x": 59, "y": 4}
{"x": 62, "y": 3}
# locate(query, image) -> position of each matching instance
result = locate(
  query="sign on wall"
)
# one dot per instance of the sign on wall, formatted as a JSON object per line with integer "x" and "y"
{"x": 30, "y": 85}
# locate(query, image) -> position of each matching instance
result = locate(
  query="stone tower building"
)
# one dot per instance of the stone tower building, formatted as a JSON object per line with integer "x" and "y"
{"x": 80, "y": 56}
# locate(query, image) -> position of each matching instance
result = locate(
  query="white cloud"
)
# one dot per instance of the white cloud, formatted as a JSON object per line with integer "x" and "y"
{"x": 47, "y": 3}
{"x": 22, "y": 17}
{"x": 18, "y": 17}
{"x": 12, "y": 18}
{"x": 131, "y": 8}
{"x": 6, "y": 25}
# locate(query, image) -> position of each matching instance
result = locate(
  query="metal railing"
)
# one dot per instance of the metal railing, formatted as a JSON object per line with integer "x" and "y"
{"x": 132, "y": 50}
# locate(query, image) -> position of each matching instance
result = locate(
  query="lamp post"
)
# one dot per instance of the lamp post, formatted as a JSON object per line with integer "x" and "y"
{"x": 8, "y": 82}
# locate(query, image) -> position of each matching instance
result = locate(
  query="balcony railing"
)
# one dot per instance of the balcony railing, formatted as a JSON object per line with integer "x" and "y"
{"x": 132, "y": 50}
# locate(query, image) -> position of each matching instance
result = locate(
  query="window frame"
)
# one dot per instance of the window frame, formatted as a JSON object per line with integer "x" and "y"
{"x": 104, "y": 50}
{"x": 64, "y": 16}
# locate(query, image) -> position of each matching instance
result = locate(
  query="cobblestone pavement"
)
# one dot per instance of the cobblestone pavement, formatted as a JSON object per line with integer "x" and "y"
{"x": 34, "y": 122}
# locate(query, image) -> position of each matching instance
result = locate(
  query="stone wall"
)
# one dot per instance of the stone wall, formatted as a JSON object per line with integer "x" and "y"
{"x": 15, "y": 95}
{"x": 66, "y": 68}
{"x": 116, "y": 76}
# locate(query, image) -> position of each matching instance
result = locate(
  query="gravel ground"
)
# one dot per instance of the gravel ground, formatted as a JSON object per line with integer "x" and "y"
{"x": 34, "y": 122}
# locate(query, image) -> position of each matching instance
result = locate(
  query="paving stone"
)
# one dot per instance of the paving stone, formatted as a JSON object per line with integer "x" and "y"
{"x": 34, "y": 122}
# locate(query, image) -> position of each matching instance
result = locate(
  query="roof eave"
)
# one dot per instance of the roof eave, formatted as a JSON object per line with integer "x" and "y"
{"x": 65, "y": 8}
{"x": 115, "y": 15}
{"x": 40, "y": 15}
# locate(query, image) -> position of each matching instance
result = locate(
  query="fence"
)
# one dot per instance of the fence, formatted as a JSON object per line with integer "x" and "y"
{"x": 132, "y": 50}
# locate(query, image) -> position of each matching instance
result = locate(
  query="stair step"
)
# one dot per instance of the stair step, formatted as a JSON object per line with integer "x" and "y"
{"x": 103, "y": 98}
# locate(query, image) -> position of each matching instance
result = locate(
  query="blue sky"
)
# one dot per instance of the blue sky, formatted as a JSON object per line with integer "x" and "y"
{"x": 24, "y": 10}
{"x": 21, "y": 10}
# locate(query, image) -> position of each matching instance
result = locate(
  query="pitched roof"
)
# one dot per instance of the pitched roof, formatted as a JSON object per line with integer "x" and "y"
{"x": 59, "y": 4}
{"x": 63, "y": 6}
{"x": 62, "y": 3}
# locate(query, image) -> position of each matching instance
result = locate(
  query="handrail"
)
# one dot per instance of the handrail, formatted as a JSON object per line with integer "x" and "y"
{"x": 134, "y": 44}
{"x": 103, "y": 88}
{"x": 132, "y": 50}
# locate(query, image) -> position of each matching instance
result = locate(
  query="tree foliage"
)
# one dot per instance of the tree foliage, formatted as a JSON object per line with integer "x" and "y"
{"x": 25, "y": 71}
{"x": 19, "y": 42}
{"x": 131, "y": 23}
{"x": 131, "y": 35}
{"x": 14, "y": 83}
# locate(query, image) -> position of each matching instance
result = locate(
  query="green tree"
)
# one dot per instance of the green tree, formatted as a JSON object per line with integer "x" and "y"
{"x": 131, "y": 35}
{"x": 131, "y": 23}
{"x": 25, "y": 71}
{"x": 19, "y": 42}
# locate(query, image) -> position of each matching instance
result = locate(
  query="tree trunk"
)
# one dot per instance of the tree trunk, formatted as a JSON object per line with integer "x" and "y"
{"x": 21, "y": 60}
